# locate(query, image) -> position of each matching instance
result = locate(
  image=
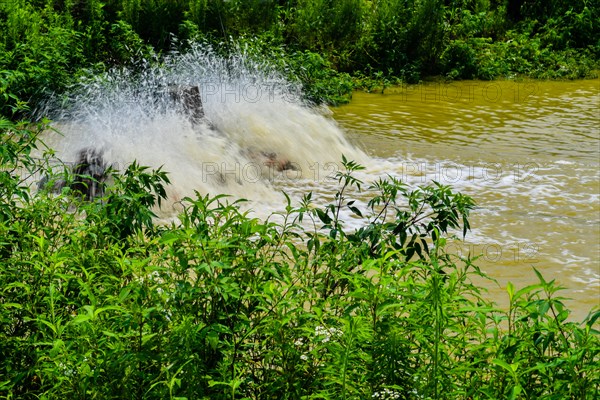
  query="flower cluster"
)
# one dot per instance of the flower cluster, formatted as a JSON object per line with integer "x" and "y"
{"x": 66, "y": 370}
{"x": 386, "y": 394}
{"x": 328, "y": 333}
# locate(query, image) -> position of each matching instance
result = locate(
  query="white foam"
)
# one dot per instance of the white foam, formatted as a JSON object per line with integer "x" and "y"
{"x": 251, "y": 111}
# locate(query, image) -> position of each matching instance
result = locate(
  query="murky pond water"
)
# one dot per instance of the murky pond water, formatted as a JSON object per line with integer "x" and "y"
{"x": 528, "y": 152}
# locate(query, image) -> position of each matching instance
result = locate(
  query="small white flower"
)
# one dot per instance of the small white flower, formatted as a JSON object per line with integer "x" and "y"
{"x": 335, "y": 332}
{"x": 304, "y": 357}
{"x": 66, "y": 370}
{"x": 327, "y": 332}
{"x": 386, "y": 394}
{"x": 320, "y": 330}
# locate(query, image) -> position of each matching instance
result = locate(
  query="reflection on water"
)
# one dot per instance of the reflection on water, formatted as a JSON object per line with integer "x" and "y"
{"x": 528, "y": 152}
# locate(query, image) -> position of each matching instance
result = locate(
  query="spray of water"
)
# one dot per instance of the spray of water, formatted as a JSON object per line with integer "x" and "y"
{"x": 255, "y": 121}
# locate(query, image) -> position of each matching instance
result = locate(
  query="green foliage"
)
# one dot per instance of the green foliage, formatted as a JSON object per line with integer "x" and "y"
{"x": 15, "y": 159}
{"x": 321, "y": 83}
{"x": 153, "y": 20}
{"x": 328, "y": 27}
{"x": 98, "y": 301}
{"x": 46, "y": 45}
{"x": 39, "y": 51}
{"x": 127, "y": 47}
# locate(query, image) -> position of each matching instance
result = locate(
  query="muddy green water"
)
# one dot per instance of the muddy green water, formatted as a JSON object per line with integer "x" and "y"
{"x": 528, "y": 152}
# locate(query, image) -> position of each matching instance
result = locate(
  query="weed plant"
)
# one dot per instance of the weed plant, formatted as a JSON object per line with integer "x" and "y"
{"x": 97, "y": 301}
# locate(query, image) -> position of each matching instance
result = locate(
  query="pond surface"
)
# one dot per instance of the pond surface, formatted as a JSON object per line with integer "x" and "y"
{"x": 528, "y": 152}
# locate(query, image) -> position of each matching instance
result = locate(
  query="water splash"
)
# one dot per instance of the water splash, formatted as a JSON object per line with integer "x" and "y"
{"x": 253, "y": 116}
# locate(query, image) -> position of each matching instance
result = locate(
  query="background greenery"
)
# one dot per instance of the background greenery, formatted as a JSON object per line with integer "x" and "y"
{"x": 334, "y": 46}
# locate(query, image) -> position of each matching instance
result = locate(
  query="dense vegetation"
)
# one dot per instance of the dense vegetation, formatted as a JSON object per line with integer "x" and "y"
{"x": 99, "y": 302}
{"x": 332, "y": 46}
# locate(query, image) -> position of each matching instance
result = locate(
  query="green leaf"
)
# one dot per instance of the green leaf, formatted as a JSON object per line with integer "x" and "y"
{"x": 80, "y": 318}
{"x": 146, "y": 338}
{"x": 356, "y": 211}
{"x": 515, "y": 391}
{"x": 540, "y": 277}
{"x": 323, "y": 216}
{"x": 510, "y": 289}
{"x": 512, "y": 368}
{"x": 526, "y": 289}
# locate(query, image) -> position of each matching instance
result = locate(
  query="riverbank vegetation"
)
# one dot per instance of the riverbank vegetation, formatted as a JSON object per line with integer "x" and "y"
{"x": 333, "y": 47}
{"x": 98, "y": 301}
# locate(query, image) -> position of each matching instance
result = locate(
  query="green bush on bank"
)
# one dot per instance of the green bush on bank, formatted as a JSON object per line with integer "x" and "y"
{"x": 99, "y": 301}
{"x": 47, "y": 44}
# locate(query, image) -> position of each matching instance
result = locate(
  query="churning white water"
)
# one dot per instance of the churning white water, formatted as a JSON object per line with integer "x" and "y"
{"x": 255, "y": 120}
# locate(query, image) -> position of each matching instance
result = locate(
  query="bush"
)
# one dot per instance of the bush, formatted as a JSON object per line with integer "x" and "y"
{"x": 327, "y": 26}
{"x": 40, "y": 54}
{"x": 98, "y": 301}
{"x": 47, "y": 45}
{"x": 321, "y": 83}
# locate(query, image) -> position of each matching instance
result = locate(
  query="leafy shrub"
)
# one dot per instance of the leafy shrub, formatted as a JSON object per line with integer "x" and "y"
{"x": 47, "y": 45}
{"x": 327, "y": 26}
{"x": 40, "y": 52}
{"x": 321, "y": 83}
{"x": 97, "y": 301}
{"x": 460, "y": 60}
{"x": 127, "y": 47}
